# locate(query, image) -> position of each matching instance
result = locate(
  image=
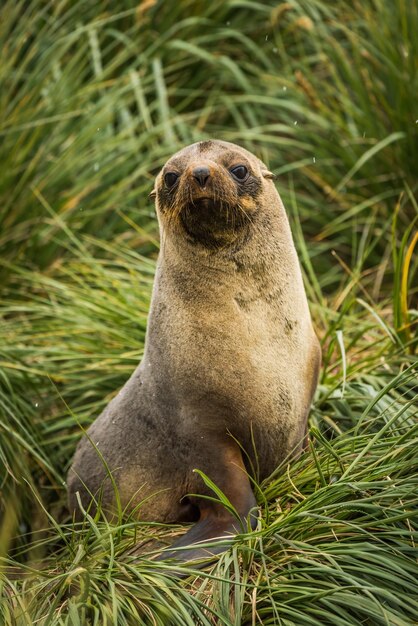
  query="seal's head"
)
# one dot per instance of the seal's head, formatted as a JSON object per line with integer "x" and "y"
{"x": 210, "y": 192}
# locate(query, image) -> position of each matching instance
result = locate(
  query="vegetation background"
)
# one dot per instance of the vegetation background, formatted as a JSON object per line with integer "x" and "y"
{"x": 94, "y": 96}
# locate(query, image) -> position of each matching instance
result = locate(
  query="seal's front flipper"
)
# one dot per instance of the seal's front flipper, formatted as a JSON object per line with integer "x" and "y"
{"x": 197, "y": 544}
{"x": 216, "y": 521}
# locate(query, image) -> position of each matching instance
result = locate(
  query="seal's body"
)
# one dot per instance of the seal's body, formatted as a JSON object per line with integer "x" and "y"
{"x": 231, "y": 360}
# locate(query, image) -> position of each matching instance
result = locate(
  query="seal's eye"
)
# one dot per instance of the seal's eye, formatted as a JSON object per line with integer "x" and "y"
{"x": 170, "y": 178}
{"x": 239, "y": 172}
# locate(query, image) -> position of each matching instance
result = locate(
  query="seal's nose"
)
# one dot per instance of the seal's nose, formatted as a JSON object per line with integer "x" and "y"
{"x": 201, "y": 174}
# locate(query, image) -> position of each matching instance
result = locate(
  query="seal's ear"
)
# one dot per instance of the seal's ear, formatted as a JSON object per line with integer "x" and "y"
{"x": 267, "y": 174}
{"x": 153, "y": 193}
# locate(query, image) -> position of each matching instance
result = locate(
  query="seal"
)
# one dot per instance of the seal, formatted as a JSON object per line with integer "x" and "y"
{"x": 230, "y": 361}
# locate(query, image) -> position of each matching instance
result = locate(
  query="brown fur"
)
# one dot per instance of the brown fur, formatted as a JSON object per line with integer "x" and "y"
{"x": 230, "y": 354}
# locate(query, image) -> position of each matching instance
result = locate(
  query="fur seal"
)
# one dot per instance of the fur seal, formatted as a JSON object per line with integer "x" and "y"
{"x": 230, "y": 363}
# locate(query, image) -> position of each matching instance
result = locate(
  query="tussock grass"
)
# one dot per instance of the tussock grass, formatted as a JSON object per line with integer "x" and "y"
{"x": 93, "y": 98}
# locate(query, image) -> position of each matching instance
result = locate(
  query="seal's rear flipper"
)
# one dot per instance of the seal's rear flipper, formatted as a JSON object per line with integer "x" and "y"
{"x": 216, "y": 521}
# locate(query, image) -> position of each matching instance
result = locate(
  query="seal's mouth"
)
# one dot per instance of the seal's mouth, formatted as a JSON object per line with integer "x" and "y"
{"x": 204, "y": 203}
{"x": 211, "y": 222}
{"x": 209, "y": 213}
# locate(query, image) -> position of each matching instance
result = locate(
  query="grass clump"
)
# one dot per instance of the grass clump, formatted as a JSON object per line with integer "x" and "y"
{"x": 93, "y": 99}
